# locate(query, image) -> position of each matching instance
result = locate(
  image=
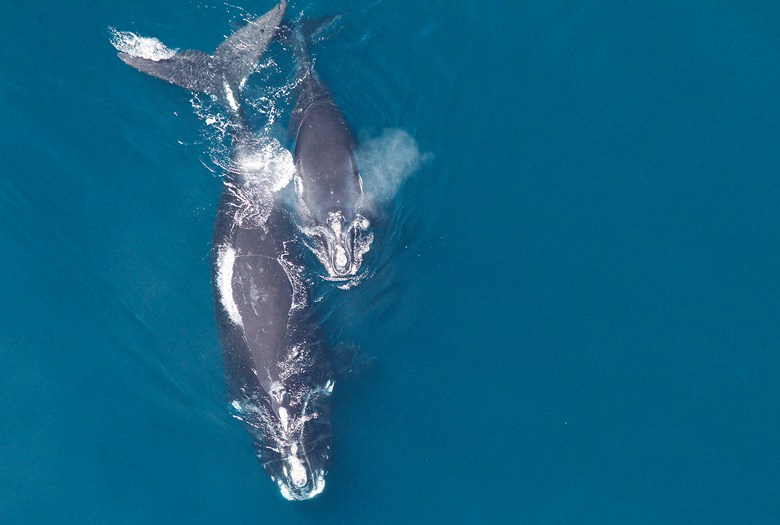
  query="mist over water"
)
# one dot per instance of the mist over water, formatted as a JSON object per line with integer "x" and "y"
{"x": 387, "y": 160}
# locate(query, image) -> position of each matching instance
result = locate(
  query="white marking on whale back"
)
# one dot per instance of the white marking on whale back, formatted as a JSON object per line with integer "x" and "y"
{"x": 138, "y": 46}
{"x": 226, "y": 258}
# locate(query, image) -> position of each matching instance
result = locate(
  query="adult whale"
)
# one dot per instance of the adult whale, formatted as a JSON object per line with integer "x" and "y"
{"x": 278, "y": 370}
{"x": 327, "y": 179}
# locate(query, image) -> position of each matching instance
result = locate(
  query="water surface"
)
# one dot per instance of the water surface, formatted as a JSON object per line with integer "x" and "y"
{"x": 574, "y": 303}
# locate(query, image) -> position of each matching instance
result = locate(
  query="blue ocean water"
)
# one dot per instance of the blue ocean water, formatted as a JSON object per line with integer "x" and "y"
{"x": 575, "y": 314}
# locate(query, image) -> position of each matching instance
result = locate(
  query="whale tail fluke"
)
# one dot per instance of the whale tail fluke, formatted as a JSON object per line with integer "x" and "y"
{"x": 232, "y": 62}
{"x": 193, "y": 70}
{"x": 240, "y": 54}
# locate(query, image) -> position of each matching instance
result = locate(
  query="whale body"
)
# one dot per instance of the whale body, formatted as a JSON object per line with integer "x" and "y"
{"x": 278, "y": 370}
{"x": 277, "y": 367}
{"x": 328, "y": 182}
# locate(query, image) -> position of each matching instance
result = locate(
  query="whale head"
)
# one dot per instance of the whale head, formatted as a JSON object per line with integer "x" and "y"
{"x": 295, "y": 440}
{"x": 297, "y": 472}
{"x": 340, "y": 238}
{"x": 339, "y": 234}
{"x": 331, "y": 210}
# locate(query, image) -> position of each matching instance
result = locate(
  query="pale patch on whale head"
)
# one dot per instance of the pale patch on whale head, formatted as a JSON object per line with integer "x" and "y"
{"x": 297, "y": 471}
{"x": 300, "y": 479}
{"x": 138, "y": 46}
{"x": 340, "y": 245}
{"x": 304, "y": 473}
{"x": 339, "y": 242}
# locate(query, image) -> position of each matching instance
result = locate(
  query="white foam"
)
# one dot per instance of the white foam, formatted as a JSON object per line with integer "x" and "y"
{"x": 139, "y": 46}
{"x": 268, "y": 165}
{"x": 262, "y": 168}
{"x": 300, "y": 296}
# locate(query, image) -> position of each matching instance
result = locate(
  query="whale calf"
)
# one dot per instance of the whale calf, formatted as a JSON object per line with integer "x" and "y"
{"x": 327, "y": 179}
{"x": 278, "y": 370}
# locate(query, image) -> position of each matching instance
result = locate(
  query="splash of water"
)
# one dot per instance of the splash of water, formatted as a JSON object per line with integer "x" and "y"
{"x": 138, "y": 46}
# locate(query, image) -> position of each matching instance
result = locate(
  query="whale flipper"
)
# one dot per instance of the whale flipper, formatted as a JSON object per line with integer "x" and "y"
{"x": 312, "y": 30}
{"x": 322, "y": 28}
{"x": 193, "y": 70}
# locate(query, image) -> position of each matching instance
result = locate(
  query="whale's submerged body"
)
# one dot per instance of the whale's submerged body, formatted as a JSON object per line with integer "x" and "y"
{"x": 278, "y": 370}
